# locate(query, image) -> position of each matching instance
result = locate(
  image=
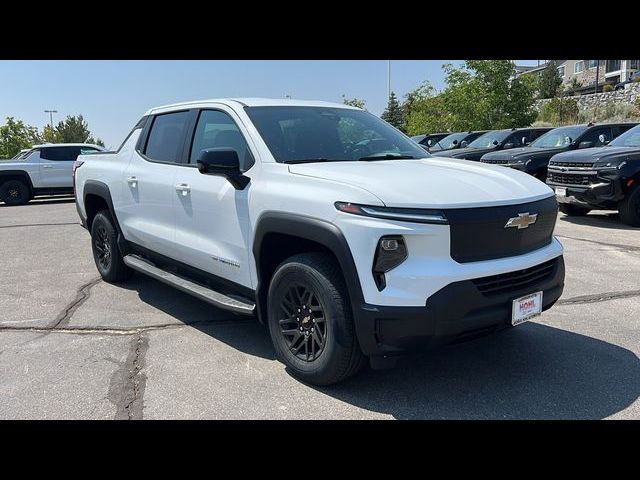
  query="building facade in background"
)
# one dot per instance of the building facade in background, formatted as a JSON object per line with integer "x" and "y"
{"x": 584, "y": 71}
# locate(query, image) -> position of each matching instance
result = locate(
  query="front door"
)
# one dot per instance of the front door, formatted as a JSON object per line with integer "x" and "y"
{"x": 212, "y": 217}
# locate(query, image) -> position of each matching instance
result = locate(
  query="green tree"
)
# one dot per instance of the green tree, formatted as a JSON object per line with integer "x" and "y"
{"x": 428, "y": 115}
{"x": 16, "y": 135}
{"x": 74, "y": 129}
{"x": 559, "y": 111}
{"x": 393, "y": 112}
{"x": 550, "y": 81}
{"x": 354, "y": 102}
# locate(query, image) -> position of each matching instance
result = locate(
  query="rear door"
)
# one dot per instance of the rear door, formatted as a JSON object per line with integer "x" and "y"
{"x": 56, "y": 166}
{"x": 146, "y": 212}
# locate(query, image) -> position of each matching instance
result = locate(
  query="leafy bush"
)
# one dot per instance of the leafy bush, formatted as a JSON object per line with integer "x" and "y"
{"x": 559, "y": 111}
{"x": 615, "y": 112}
{"x": 607, "y": 87}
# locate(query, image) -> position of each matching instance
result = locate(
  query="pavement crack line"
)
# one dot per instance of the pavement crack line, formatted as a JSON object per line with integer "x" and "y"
{"x": 39, "y": 225}
{"x": 599, "y": 297}
{"x": 625, "y": 248}
{"x": 127, "y": 386}
{"x": 83, "y": 294}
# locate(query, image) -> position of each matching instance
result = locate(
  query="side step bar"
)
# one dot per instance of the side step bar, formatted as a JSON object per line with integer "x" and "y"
{"x": 234, "y": 304}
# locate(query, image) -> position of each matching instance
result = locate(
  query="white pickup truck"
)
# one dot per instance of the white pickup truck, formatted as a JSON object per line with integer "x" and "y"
{"x": 41, "y": 170}
{"x": 340, "y": 233}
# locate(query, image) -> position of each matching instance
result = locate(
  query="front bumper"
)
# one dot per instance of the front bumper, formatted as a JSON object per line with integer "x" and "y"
{"x": 454, "y": 313}
{"x": 606, "y": 192}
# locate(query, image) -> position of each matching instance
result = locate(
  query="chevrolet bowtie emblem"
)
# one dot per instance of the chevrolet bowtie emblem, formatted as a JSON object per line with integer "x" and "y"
{"x": 523, "y": 220}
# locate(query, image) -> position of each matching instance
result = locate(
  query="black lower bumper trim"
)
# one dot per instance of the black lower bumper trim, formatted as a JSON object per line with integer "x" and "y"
{"x": 457, "y": 312}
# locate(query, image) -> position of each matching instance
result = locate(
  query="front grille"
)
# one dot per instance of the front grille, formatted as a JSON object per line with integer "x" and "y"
{"x": 515, "y": 281}
{"x": 569, "y": 178}
{"x": 496, "y": 162}
{"x": 555, "y": 163}
{"x": 481, "y": 234}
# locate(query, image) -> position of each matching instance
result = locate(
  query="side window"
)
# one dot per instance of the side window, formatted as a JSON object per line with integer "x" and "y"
{"x": 516, "y": 138}
{"x": 216, "y": 129}
{"x": 620, "y": 129}
{"x": 536, "y": 133}
{"x": 594, "y": 134}
{"x": 60, "y": 154}
{"x": 166, "y": 137}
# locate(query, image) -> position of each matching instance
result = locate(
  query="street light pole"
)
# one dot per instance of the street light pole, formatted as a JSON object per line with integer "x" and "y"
{"x": 597, "y": 75}
{"x": 51, "y": 112}
{"x": 388, "y": 79}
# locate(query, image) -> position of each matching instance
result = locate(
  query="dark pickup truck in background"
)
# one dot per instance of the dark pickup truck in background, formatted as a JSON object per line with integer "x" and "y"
{"x": 535, "y": 158}
{"x": 496, "y": 140}
{"x": 455, "y": 140}
{"x": 606, "y": 178}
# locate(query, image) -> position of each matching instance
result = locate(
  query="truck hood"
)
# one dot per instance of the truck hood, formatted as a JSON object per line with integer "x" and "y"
{"x": 598, "y": 153}
{"x": 432, "y": 182}
{"x": 461, "y": 152}
{"x": 514, "y": 154}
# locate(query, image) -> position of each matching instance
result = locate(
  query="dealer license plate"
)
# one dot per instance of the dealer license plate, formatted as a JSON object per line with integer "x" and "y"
{"x": 561, "y": 192}
{"x": 525, "y": 308}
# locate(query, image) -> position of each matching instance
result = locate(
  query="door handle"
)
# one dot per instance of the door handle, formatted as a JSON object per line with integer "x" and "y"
{"x": 133, "y": 181}
{"x": 183, "y": 189}
{"x": 47, "y": 166}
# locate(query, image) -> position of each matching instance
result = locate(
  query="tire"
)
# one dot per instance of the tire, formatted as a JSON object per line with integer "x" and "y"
{"x": 330, "y": 353}
{"x": 573, "y": 210}
{"x": 106, "y": 253}
{"x": 15, "y": 192}
{"x": 629, "y": 208}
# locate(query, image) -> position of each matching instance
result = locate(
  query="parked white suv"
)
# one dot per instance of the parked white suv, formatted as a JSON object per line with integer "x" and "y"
{"x": 41, "y": 170}
{"x": 345, "y": 237}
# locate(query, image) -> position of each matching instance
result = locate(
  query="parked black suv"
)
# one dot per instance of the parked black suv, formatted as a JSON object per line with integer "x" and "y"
{"x": 425, "y": 141}
{"x": 534, "y": 158}
{"x": 605, "y": 178}
{"x": 495, "y": 140}
{"x": 455, "y": 140}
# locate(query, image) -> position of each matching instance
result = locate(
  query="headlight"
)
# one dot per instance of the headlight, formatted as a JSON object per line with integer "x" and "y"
{"x": 613, "y": 163}
{"x": 414, "y": 215}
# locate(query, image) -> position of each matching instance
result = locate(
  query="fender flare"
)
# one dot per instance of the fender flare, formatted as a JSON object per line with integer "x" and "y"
{"x": 313, "y": 229}
{"x": 101, "y": 189}
{"x": 17, "y": 173}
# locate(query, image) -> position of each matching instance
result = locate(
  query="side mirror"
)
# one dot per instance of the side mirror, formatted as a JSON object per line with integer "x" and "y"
{"x": 525, "y": 141}
{"x": 507, "y": 146}
{"x": 496, "y": 142}
{"x": 463, "y": 144}
{"x": 455, "y": 142}
{"x": 430, "y": 142}
{"x": 585, "y": 145}
{"x": 222, "y": 162}
{"x": 603, "y": 139}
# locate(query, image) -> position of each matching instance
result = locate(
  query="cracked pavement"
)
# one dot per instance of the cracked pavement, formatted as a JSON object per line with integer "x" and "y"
{"x": 75, "y": 347}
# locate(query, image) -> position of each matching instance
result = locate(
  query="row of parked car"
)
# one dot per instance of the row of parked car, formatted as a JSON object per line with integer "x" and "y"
{"x": 590, "y": 166}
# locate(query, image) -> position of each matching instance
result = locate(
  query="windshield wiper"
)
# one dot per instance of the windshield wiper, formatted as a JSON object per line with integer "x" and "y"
{"x": 386, "y": 156}
{"x": 306, "y": 160}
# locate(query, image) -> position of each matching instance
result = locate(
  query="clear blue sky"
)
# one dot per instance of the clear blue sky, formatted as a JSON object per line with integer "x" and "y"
{"x": 112, "y": 95}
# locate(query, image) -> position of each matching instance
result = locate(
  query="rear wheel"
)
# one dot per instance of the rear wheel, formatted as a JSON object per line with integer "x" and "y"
{"x": 15, "y": 192}
{"x": 310, "y": 320}
{"x": 105, "y": 249}
{"x": 629, "y": 208}
{"x": 573, "y": 210}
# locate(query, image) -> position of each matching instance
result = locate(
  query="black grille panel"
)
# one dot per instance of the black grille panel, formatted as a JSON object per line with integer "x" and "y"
{"x": 515, "y": 281}
{"x": 555, "y": 163}
{"x": 496, "y": 162}
{"x": 569, "y": 178}
{"x": 479, "y": 233}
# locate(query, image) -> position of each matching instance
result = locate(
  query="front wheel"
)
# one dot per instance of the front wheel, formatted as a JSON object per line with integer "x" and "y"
{"x": 310, "y": 320}
{"x": 573, "y": 210}
{"x": 629, "y": 208}
{"x": 105, "y": 249}
{"x": 15, "y": 192}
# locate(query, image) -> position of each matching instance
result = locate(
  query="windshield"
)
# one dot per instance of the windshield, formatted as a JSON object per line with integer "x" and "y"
{"x": 558, "y": 137}
{"x": 447, "y": 142}
{"x": 630, "y": 138}
{"x": 300, "y": 133}
{"x": 488, "y": 139}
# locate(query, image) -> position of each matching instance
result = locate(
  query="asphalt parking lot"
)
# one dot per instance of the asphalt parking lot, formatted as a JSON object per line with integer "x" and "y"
{"x": 75, "y": 347}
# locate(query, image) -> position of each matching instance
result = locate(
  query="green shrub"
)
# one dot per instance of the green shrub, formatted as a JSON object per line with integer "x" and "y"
{"x": 559, "y": 111}
{"x": 618, "y": 112}
{"x": 607, "y": 87}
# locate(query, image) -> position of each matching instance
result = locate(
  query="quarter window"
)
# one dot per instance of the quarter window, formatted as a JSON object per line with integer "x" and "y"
{"x": 166, "y": 137}
{"x": 217, "y": 129}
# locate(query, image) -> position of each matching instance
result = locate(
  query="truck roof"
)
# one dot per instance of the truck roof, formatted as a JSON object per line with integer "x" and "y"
{"x": 250, "y": 102}
{"x": 42, "y": 145}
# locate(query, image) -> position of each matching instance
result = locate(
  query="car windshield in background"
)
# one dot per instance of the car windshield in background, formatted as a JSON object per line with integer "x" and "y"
{"x": 558, "y": 137}
{"x": 325, "y": 134}
{"x": 447, "y": 142}
{"x": 489, "y": 139}
{"x": 630, "y": 138}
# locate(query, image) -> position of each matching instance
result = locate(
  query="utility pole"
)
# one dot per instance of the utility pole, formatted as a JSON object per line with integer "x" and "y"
{"x": 51, "y": 112}
{"x": 388, "y": 79}
{"x": 597, "y": 75}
